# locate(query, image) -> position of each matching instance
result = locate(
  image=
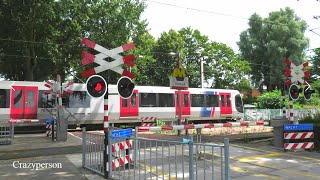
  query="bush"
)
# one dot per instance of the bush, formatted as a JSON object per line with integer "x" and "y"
{"x": 315, "y": 120}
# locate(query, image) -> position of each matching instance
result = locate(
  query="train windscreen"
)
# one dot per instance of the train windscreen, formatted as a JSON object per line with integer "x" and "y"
{"x": 239, "y": 104}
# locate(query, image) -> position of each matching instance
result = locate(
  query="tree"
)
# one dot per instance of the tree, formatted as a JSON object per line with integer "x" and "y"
{"x": 225, "y": 67}
{"x": 315, "y": 68}
{"x": 193, "y": 50}
{"x": 145, "y": 61}
{"x": 168, "y": 42}
{"x": 43, "y": 38}
{"x": 25, "y": 32}
{"x": 267, "y": 42}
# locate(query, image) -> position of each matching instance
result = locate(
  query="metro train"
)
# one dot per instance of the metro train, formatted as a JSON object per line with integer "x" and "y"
{"x": 28, "y": 100}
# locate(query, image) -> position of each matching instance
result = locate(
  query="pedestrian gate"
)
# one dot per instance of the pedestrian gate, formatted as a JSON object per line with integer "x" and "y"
{"x": 142, "y": 158}
{"x": 6, "y": 133}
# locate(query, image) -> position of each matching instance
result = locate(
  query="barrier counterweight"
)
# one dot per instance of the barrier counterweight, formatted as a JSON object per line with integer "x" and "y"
{"x": 297, "y": 136}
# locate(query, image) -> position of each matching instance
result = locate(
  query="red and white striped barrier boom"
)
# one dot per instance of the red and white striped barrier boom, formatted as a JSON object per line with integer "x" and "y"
{"x": 105, "y": 65}
{"x": 24, "y": 121}
{"x": 200, "y": 126}
{"x": 66, "y": 88}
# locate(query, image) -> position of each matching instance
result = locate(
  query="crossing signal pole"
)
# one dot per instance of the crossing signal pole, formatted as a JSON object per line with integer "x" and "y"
{"x": 296, "y": 75}
{"x": 96, "y": 85}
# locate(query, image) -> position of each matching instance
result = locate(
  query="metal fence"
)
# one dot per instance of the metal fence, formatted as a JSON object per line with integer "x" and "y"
{"x": 269, "y": 114}
{"x": 140, "y": 158}
{"x": 93, "y": 151}
{"x": 6, "y": 133}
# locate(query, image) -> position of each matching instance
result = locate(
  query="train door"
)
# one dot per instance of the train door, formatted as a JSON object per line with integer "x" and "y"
{"x": 24, "y": 102}
{"x": 184, "y": 103}
{"x": 225, "y": 104}
{"x": 130, "y": 107}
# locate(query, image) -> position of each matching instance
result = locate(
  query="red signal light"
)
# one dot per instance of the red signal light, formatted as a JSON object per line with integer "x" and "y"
{"x": 98, "y": 87}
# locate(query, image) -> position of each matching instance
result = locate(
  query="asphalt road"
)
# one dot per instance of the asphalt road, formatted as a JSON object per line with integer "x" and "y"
{"x": 254, "y": 160}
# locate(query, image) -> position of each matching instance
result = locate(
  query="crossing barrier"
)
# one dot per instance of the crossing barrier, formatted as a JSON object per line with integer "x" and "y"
{"x": 296, "y": 136}
{"x": 201, "y": 126}
{"x": 18, "y": 121}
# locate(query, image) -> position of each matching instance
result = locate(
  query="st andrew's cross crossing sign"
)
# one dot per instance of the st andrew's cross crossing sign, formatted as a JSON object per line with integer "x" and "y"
{"x": 105, "y": 65}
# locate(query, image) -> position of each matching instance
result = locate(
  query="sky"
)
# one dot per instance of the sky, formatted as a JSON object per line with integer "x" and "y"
{"x": 224, "y": 20}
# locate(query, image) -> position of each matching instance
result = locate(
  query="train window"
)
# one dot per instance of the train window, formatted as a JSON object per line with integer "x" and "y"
{"x": 222, "y": 101}
{"x": 124, "y": 102}
{"x": 228, "y": 101}
{"x": 185, "y": 100}
{"x": 197, "y": 100}
{"x": 78, "y": 99}
{"x": 238, "y": 102}
{"x": 166, "y": 100}
{"x": 4, "y": 98}
{"x": 133, "y": 100}
{"x": 211, "y": 100}
{"x": 17, "y": 98}
{"x": 148, "y": 100}
{"x": 45, "y": 101}
{"x": 30, "y": 103}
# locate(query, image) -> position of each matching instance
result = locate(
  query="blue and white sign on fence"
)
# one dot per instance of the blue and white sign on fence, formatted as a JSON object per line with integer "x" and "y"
{"x": 298, "y": 127}
{"x": 123, "y": 133}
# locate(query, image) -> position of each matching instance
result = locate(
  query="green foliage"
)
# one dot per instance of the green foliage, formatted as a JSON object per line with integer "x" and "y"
{"x": 315, "y": 120}
{"x": 145, "y": 63}
{"x": 168, "y": 42}
{"x": 224, "y": 66}
{"x": 160, "y": 123}
{"x": 268, "y": 41}
{"x": 270, "y": 100}
{"x": 315, "y": 69}
{"x": 273, "y": 100}
{"x": 44, "y": 37}
{"x": 193, "y": 51}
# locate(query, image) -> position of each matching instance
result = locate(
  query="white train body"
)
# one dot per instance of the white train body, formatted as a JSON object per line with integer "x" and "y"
{"x": 26, "y": 100}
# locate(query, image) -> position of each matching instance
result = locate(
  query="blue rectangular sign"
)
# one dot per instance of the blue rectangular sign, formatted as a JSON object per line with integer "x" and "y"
{"x": 123, "y": 133}
{"x": 298, "y": 127}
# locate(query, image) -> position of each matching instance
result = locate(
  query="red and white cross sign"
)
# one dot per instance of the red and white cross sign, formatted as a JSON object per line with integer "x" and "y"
{"x": 296, "y": 74}
{"x": 66, "y": 88}
{"x": 105, "y": 65}
{"x": 51, "y": 87}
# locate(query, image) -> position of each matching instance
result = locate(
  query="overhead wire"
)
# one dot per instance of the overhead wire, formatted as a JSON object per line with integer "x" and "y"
{"x": 214, "y": 13}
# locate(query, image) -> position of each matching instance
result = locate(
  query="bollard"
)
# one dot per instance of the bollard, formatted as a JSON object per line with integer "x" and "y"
{"x": 83, "y": 146}
{"x": 108, "y": 161}
{"x": 135, "y": 146}
{"x": 226, "y": 159}
{"x": 12, "y": 131}
{"x": 191, "y": 158}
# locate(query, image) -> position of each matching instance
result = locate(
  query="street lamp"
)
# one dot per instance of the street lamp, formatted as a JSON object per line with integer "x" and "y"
{"x": 179, "y": 94}
{"x": 202, "y": 72}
